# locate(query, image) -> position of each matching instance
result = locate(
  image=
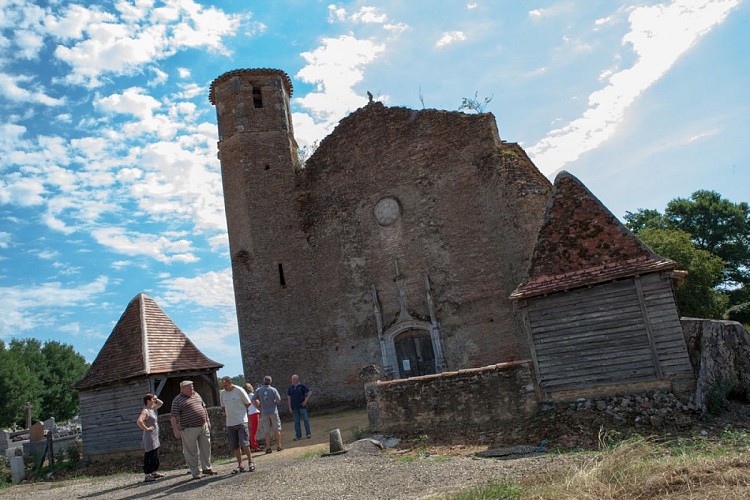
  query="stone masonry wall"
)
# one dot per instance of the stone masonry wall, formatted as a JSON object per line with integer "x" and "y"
{"x": 473, "y": 405}
{"x": 170, "y": 451}
{"x": 720, "y": 354}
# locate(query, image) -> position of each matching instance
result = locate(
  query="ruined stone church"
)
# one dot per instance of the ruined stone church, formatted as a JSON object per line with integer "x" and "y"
{"x": 420, "y": 242}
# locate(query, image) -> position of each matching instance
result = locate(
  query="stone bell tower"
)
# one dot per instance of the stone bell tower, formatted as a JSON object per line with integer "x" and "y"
{"x": 258, "y": 155}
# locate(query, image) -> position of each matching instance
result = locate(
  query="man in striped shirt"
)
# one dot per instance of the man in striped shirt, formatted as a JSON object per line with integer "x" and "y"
{"x": 190, "y": 423}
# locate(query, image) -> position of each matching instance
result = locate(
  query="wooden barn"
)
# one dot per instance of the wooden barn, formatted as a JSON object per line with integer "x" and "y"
{"x": 146, "y": 352}
{"x": 598, "y": 305}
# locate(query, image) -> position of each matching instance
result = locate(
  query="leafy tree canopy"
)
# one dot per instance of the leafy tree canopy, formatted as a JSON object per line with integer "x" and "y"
{"x": 42, "y": 374}
{"x": 715, "y": 224}
{"x": 698, "y": 297}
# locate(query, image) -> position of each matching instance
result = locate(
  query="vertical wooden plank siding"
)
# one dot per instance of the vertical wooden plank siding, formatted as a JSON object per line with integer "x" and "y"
{"x": 665, "y": 325}
{"x": 647, "y": 324}
{"x": 108, "y": 415}
{"x": 590, "y": 337}
{"x": 525, "y": 316}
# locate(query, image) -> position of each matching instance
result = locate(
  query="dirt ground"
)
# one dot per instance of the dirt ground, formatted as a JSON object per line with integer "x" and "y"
{"x": 437, "y": 471}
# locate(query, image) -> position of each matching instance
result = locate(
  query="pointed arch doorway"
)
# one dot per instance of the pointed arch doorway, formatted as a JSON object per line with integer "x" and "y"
{"x": 414, "y": 353}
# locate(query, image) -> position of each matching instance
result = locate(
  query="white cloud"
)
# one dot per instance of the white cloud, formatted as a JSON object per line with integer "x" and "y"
{"x": 555, "y": 10}
{"x": 365, "y": 15}
{"x": 26, "y": 307}
{"x": 48, "y": 254}
{"x": 183, "y": 73}
{"x": 132, "y": 101}
{"x": 335, "y": 68}
{"x": 160, "y": 77}
{"x": 19, "y": 190}
{"x": 163, "y": 248}
{"x": 658, "y": 35}
{"x": 336, "y": 13}
{"x": 213, "y": 289}
{"x": 5, "y": 239}
{"x": 450, "y": 37}
{"x": 138, "y": 35}
{"x": 369, "y": 15}
{"x": 11, "y": 88}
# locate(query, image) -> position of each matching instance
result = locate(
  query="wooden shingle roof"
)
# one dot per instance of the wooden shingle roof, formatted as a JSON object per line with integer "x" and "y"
{"x": 581, "y": 243}
{"x": 144, "y": 342}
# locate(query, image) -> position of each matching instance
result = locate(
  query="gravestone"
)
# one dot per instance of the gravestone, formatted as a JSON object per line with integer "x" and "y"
{"x": 36, "y": 432}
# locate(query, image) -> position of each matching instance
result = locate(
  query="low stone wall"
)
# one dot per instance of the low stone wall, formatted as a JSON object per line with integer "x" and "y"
{"x": 171, "y": 449}
{"x": 473, "y": 404}
{"x": 720, "y": 354}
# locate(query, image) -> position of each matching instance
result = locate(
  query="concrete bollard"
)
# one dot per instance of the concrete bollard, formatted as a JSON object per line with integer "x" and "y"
{"x": 17, "y": 470}
{"x": 336, "y": 444}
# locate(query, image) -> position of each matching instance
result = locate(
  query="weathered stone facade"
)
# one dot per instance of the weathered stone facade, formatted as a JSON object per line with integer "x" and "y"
{"x": 455, "y": 405}
{"x": 497, "y": 404}
{"x": 720, "y": 355}
{"x": 397, "y": 244}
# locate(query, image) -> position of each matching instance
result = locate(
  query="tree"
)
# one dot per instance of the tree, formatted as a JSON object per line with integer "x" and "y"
{"x": 698, "y": 296}
{"x": 643, "y": 218}
{"x": 18, "y": 385}
{"x": 42, "y": 375}
{"x": 718, "y": 226}
{"x": 740, "y": 313}
{"x": 715, "y": 225}
{"x": 64, "y": 368}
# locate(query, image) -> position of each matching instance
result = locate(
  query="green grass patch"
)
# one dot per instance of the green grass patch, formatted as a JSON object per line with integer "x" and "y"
{"x": 313, "y": 453}
{"x": 501, "y": 490}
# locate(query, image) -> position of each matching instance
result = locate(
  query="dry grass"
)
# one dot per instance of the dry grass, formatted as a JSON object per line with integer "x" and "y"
{"x": 642, "y": 468}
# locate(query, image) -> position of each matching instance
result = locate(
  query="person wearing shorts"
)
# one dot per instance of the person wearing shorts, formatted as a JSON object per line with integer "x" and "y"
{"x": 267, "y": 399}
{"x": 235, "y": 402}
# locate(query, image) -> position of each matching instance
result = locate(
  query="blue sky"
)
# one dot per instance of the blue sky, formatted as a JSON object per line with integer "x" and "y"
{"x": 109, "y": 182}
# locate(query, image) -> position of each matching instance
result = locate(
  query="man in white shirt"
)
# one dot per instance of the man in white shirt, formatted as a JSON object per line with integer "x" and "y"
{"x": 235, "y": 402}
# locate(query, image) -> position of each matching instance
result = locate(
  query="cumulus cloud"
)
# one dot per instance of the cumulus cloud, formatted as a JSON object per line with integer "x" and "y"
{"x": 659, "y": 35}
{"x": 364, "y": 15}
{"x": 163, "y": 248}
{"x": 12, "y": 88}
{"x": 212, "y": 289}
{"x": 133, "y": 101}
{"x": 26, "y": 307}
{"x": 95, "y": 43}
{"x": 450, "y": 37}
{"x": 335, "y": 67}
{"x": 17, "y": 189}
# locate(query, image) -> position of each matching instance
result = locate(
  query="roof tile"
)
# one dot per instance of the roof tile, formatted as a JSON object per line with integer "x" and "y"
{"x": 581, "y": 243}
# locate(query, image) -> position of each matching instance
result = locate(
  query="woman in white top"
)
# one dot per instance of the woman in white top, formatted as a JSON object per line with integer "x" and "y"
{"x": 148, "y": 421}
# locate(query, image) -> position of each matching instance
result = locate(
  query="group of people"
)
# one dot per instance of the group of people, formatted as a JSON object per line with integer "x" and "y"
{"x": 248, "y": 412}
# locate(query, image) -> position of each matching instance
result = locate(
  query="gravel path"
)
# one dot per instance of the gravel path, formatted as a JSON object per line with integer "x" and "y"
{"x": 299, "y": 474}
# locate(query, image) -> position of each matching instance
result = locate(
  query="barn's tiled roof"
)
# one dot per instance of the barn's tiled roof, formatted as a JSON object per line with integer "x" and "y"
{"x": 581, "y": 243}
{"x": 144, "y": 342}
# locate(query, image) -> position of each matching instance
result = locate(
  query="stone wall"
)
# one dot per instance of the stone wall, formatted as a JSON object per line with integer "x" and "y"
{"x": 720, "y": 354}
{"x": 467, "y": 405}
{"x": 171, "y": 449}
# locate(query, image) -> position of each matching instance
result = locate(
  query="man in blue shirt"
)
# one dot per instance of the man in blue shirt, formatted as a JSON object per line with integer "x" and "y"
{"x": 266, "y": 399}
{"x": 297, "y": 396}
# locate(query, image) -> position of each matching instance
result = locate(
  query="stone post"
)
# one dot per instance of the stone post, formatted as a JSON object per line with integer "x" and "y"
{"x": 336, "y": 444}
